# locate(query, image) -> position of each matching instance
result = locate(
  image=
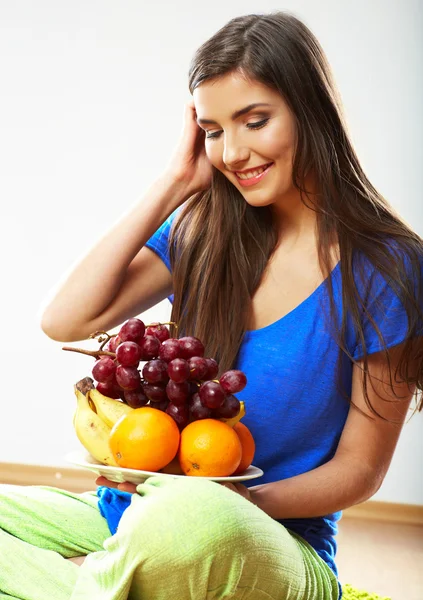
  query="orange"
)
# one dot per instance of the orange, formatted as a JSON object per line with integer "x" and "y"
{"x": 146, "y": 439}
{"x": 209, "y": 448}
{"x": 248, "y": 446}
{"x": 173, "y": 468}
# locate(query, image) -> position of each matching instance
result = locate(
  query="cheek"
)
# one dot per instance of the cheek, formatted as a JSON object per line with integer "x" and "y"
{"x": 278, "y": 145}
{"x": 214, "y": 154}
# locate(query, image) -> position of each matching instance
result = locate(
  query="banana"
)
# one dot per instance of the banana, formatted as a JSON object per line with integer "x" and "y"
{"x": 91, "y": 431}
{"x": 108, "y": 409}
{"x": 234, "y": 420}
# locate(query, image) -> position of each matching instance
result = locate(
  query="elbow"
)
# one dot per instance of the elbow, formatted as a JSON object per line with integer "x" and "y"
{"x": 55, "y": 329}
{"x": 362, "y": 479}
{"x": 52, "y": 331}
{"x": 375, "y": 482}
{"x": 371, "y": 482}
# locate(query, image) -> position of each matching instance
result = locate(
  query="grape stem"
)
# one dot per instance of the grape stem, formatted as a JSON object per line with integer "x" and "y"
{"x": 94, "y": 353}
{"x": 103, "y": 337}
{"x": 168, "y": 323}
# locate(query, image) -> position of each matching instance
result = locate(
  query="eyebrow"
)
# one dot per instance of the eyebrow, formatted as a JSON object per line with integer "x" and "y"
{"x": 236, "y": 114}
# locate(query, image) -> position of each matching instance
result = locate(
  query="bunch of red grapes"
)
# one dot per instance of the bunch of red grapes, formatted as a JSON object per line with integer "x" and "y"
{"x": 175, "y": 378}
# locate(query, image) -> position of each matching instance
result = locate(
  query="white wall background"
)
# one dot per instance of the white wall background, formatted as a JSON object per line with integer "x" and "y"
{"x": 91, "y": 105}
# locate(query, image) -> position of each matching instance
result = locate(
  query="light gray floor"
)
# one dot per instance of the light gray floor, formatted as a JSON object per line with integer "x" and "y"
{"x": 386, "y": 558}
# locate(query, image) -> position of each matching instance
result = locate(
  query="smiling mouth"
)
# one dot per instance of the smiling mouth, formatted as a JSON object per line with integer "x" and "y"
{"x": 252, "y": 173}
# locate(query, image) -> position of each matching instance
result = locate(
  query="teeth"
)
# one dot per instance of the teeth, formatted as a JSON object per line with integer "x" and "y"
{"x": 251, "y": 174}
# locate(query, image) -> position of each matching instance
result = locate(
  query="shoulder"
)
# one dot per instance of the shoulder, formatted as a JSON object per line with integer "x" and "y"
{"x": 386, "y": 305}
{"x": 390, "y": 263}
{"x": 159, "y": 241}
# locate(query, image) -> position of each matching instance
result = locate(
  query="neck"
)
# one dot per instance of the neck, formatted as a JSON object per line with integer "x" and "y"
{"x": 294, "y": 218}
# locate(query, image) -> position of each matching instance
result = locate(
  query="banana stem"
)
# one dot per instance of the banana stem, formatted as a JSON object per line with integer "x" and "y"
{"x": 94, "y": 353}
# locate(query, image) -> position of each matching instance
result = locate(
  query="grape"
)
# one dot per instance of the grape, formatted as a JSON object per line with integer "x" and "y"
{"x": 109, "y": 389}
{"x": 191, "y": 346}
{"x": 233, "y": 381}
{"x": 170, "y": 349}
{"x": 229, "y": 409}
{"x": 135, "y": 398}
{"x": 104, "y": 369}
{"x": 197, "y": 410}
{"x": 179, "y": 414}
{"x": 211, "y": 394}
{"x": 198, "y": 367}
{"x": 128, "y": 377}
{"x": 128, "y": 354}
{"x": 132, "y": 330}
{"x": 193, "y": 387}
{"x": 160, "y": 331}
{"x": 213, "y": 369}
{"x": 178, "y": 370}
{"x": 150, "y": 347}
{"x": 178, "y": 393}
{"x": 155, "y": 392}
{"x": 155, "y": 371}
{"x": 113, "y": 343}
{"x": 161, "y": 405}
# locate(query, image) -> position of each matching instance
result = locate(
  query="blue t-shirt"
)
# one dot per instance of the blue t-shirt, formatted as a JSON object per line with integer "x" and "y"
{"x": 295, "y": 408}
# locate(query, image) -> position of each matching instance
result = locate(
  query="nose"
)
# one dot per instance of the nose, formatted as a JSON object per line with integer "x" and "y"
{"x": 234, "y": 154}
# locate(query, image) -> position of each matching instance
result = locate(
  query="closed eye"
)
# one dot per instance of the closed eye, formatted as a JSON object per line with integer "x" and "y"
{"x": 256, "y": 125}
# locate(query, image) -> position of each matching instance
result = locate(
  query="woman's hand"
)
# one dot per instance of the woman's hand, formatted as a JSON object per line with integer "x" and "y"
{"x": 239, "y": 489}
{"x": 132, "y": 488}
{"x": 189, "y": 163}
{"x": 123, "y": 487}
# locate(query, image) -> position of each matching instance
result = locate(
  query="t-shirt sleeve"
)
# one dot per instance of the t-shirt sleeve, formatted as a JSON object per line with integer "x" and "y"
{"x": 159, "y": 241}
{"x": 385, "y": 309}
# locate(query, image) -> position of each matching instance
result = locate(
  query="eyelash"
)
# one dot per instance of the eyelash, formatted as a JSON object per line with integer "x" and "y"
{"x": 257, "y": 125}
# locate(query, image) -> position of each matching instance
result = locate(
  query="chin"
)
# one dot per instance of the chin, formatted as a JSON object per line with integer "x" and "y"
{"x": 259, "y": 202}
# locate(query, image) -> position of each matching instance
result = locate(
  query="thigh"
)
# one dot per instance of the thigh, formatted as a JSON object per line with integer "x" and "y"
{"x": 31, "y": 573}
{"x": 191, "y": 538}
{"x": 53, "y": 519}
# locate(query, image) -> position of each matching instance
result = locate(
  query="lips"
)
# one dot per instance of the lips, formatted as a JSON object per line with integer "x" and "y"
{"x": 252, "y": 180}
{"x": 261, "y": 168}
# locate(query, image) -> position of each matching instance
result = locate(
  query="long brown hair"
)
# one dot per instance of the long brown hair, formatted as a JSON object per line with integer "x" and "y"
{"x": 220, "y": 245}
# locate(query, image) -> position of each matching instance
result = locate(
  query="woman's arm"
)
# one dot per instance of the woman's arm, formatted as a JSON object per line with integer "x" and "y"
{"x": 119, "y": 278}
{"x": 361, "y": 461}
{"x": 360, "y": 464}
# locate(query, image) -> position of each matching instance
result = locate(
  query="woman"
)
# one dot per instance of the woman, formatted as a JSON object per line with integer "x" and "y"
{"x": 289, "y": 265}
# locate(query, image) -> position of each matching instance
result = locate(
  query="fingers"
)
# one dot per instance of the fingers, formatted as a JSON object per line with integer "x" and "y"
{"x": 228, "y": 485}
{"x": 190, "y": 104}
{"x": 238, "y": 488}
{"x": 103, "y": 481}
{"x": 127, "y": 487}
{"x": 124, "y": 487}
{"x": 191, "y": 114}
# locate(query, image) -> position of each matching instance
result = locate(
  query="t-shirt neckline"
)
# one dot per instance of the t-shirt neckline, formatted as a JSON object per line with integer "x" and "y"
{"x": 317, "y": 291}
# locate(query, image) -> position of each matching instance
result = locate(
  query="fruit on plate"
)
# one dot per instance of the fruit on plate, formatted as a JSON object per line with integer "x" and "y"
{"x": 108, "y": 409}
{"x": 232, "y": 422}
{"x": 248, "y": 447}
{"x": 209, "y": 448}
{"x": 173, "y": 468}
{"x": 144, "y": 366}
{"x": 92, "y": 432}
{"x": 147, "y": 390}
{"x": 145, "y": 439}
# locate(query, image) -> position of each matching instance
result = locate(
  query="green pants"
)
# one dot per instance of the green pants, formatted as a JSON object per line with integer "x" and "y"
{"x": 179, "y": 539}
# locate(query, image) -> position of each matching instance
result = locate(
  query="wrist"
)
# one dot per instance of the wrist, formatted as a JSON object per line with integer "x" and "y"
{"x": 175, "y": 187}
{"x": 254, "y": 497}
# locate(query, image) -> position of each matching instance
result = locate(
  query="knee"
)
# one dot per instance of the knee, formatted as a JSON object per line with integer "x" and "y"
{"x": 187, "y": 514}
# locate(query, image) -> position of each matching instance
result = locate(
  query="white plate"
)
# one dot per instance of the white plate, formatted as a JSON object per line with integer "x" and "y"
{"x": 119, "y": 474}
